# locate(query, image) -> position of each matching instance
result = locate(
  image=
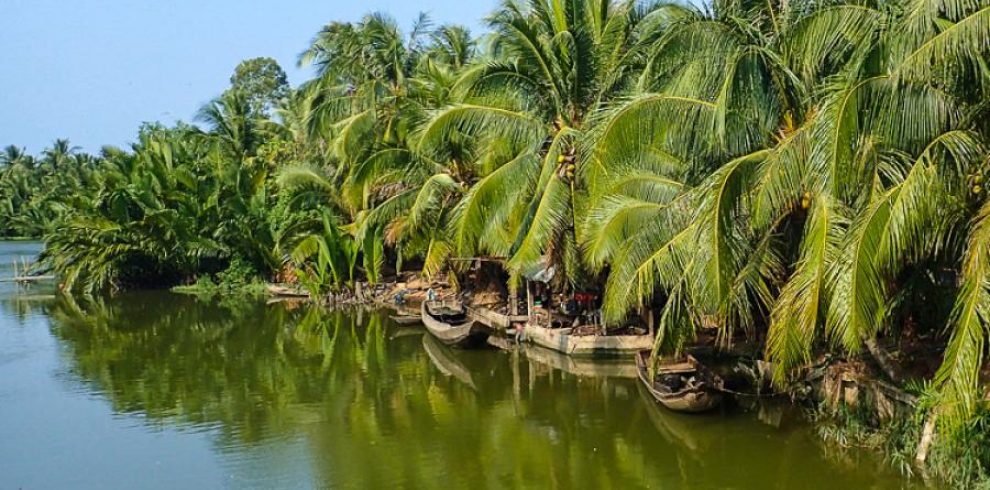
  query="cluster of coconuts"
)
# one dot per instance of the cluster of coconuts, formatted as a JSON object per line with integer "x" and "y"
{"x": 806, "y": 200}
{"x": 567, "y": 165}
{"x": 976, "y": 183}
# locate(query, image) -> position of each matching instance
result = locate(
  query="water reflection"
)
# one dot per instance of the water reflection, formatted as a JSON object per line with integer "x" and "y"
{"x": 445, "y": 362}
{"x": 376, "y": 406}
{"x": 20, "y": 302}
{"x": 580, "y": 366}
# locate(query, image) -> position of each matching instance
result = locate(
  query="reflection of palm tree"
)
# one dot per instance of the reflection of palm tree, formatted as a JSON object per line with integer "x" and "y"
{"x": 191, "y": 363}
{"x": 261, "y": 376}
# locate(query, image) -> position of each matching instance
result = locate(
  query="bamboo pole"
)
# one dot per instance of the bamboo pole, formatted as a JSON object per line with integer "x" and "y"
{"x": 529, "y": 301}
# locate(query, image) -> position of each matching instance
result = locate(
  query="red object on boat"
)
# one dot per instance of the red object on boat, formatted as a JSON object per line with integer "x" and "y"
{"x": 583, "y": 296}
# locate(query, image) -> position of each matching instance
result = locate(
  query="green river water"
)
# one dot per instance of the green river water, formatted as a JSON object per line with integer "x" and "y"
{"x": 157, "y": 390}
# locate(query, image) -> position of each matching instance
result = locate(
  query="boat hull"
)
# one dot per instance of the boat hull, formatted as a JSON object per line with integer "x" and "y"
{"x": 467, "y": 334}
{"x": 285, "y": 291}
{"x": 586, "y": 345}
{"x": 701, "y": 398}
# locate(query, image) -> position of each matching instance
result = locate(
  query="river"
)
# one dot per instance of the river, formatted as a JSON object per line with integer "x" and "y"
{"x": 157, "y": 390}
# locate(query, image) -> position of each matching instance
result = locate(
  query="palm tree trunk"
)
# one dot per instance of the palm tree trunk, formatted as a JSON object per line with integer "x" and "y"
{"x": 883, "y": 360}
{"x": 927, "y": 437}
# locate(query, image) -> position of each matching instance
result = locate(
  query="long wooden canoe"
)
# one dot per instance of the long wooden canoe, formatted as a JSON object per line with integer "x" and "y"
{"x": 560, "y": 340}
{"x": 452, "y": 327}
{"x": 698, "y": 393}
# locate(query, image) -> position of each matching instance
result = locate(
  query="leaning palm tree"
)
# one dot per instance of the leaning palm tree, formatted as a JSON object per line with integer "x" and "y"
{"x": 675, "y": 165}
{"x": 862, "y": 151}
{"x": 359, "y": 102}
{"x": 367, "y": 115}
{"x": 528, "y": 105}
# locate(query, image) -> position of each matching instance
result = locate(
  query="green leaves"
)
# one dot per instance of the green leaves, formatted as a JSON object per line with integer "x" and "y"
{"x": 800, "y": 309}
{"x": 798, "y": 203}
{"x": 486, "y": 217}
{"x": 489, "y": 122}
{"x": 958, "y": 378}
{"x": 373, "y": 254}
{"x": 956, "y": 45}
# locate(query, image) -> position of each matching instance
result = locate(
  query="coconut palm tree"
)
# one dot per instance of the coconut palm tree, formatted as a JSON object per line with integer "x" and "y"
{"x": 59, "y": 155}
{"x": 550, "y": 67}
{"x": 862, "y": 150}
{"x": 235, "y": 135}
{"x": 366, "y": 117}
{"x": 358, "y": 101}
{"x": 33, "y": 190}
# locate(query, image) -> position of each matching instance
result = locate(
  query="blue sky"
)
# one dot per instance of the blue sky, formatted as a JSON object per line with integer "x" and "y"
{"x": 93, "y": 70}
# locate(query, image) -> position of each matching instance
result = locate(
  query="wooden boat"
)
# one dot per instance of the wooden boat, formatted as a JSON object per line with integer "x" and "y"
{"x": 561, "y": 340}
{"x": 683, "y": 386}
{"x": 406, "y": 319}
{"x": 286, "y": 291}
{"x": 494, "y": 319}
{"x": 452, "y": 326}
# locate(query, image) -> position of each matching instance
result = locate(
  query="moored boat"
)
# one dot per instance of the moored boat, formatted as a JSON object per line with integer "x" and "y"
{"x": 562, "y": 340}
{"x": 682, "y": 386}
{"x": 452, "y": 326}
{"x": 283, "y": 291}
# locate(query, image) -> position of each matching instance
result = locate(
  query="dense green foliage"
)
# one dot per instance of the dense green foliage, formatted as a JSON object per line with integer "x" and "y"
{"x": 810, "y": 174}
{"x": 33, "y": 190}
